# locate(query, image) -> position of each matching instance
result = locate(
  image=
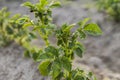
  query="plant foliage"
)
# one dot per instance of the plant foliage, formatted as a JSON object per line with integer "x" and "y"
{"x": 112, "y": 7}
{"x": 56, "y": 61}
{"x": 11, "y": 29}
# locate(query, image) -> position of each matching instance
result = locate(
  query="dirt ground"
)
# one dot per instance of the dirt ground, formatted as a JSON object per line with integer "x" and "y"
{"x": 102, "y": 54}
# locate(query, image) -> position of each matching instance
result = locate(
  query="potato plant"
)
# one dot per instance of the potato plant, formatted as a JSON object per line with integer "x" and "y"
{"x": 112, "y": 7}
{"x": 11, "y": 29}
{"x": 56, "y": 60}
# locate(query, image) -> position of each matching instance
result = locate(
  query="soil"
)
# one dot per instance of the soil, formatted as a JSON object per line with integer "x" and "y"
{"x": 102, "y": 54}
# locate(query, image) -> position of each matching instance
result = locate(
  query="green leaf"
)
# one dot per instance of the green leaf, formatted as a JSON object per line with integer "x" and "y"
{"x": 44, "y": 67}
{"x": 68, "y": 28}
{"x": 51, "y": 49}
{"x": 73, "y": 73}
{"x": 26, "y": 25}
{"x": 45, "y": 56}
{"x": 94, "y": 78}
{"x": 64, "y": 26}
{"x": 55, "y": 4}
{"x": 75, "y": 36}
{"x": 9, "y": 30}
{"x": 35, "y": 53}
{"x": 83, "y": 22}
{"x": 22, "y": 20}
{"x": 79, "y": 77}
{"x": 28, "y": 4}
{"x": 66, "y": 64}
{"x": 79, "y": 50}
{"x": 35, "y": 56}
{"x": 90, "y": 74}
{"x": 82, "y": 35}
{"x": 59, "y": 42}
{"x": 32, "y": 35}
{"x": 60, "y": 76}
{"x": 92, "y": 29}
{"x": 56, "y": 67}
{"x": 71, "y": 45}
{"x": 43, "y": 3}
{"x": 27, "y": 54}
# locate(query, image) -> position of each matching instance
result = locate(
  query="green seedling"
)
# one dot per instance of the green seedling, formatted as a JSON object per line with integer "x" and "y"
{"x": 56, "y": 60}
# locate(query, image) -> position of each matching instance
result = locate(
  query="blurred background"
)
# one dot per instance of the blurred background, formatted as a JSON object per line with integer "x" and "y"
{"x": 102, "y": 54}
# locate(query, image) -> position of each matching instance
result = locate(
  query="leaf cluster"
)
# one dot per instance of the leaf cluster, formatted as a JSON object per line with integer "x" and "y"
{"x": 11, "y": 29}
{"x": 3, "y": 21}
